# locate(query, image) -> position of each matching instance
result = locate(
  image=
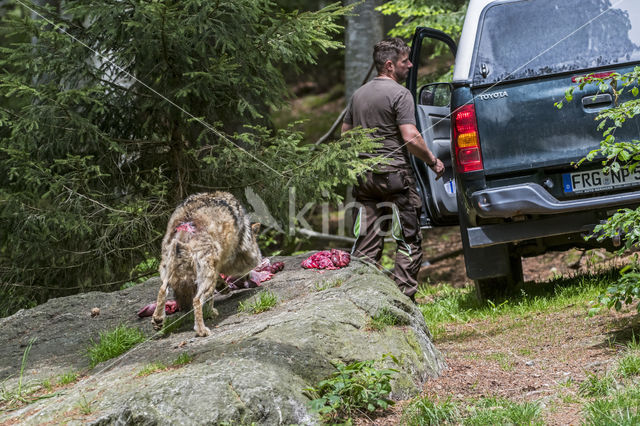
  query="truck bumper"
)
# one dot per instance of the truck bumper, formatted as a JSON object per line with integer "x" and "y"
{"x": 531, "y": 198}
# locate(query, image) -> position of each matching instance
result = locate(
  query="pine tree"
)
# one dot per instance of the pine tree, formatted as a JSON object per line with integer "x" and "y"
{"x": 118, "y": 110}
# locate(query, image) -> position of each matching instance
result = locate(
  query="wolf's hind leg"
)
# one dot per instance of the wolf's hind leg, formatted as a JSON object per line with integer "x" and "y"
{"x": 206, "y": 285}
{"x": 158, "y": 315}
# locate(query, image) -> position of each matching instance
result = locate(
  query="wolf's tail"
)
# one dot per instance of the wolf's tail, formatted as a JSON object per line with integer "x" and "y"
{"x": 185, "y": 296}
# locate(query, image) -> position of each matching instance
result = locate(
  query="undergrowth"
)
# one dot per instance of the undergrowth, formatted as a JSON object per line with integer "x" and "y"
{"x": 382, "y": 319}
{"x": 113, "y": 343}
{"x": 425, "y": 411}
{"x": 352, "y": 389}
{"x": 24, "y": 393}
{"x": 264, "y": 301}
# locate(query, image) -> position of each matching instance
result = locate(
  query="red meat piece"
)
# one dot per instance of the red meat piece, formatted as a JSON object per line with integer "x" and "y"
{"x": 170, "y": 307}
{"x": 333, "y": 259}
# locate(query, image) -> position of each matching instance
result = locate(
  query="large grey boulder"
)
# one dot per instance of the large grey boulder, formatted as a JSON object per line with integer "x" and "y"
{"x": 252, "y": 369}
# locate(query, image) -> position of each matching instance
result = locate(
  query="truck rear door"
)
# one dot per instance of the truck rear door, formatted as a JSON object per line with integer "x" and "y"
{"x": 433, "y": 122}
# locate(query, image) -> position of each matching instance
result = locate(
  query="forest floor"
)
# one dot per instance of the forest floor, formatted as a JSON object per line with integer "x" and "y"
{"x": 537, "y": 358}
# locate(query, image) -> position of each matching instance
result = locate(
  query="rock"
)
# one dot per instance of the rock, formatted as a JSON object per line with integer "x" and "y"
{"x": 252, "y": 369}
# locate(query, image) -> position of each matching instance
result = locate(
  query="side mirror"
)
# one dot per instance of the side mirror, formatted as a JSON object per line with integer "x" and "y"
{"x": 435, "y": 94}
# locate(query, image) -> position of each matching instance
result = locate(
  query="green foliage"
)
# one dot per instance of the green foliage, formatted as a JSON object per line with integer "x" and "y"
{"x": 498, "y": 411}
{"x": 113, "y": 343}
{"x": 183, "y": 359}
{"x": 616, "y": 155}
{"x": 444, "y": 15}
{"x": 327, "y": 284}
{"x": 595, "y": 385}
{"x": 622, "y": 291}
{"x": 264, "y": 301}
{"x": 382, "y": 319}
{"x": 68, "y": 377}
{"x": 621, "y": 409}
{"x": 353, "y": 388}
{"x": 629, "y": 365}
{"x": 120, "y": 110}
{"x": 85, "y": 406}
{"x": 25, "y": 393}
{"x": 142, "y": 271}
{"x": 425, "y": 412}
{"x": 151, "y": 368}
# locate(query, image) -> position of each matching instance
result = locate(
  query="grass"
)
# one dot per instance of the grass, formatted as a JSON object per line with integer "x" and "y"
{"x": 595, "y": 385}
{"x": 24, "y": 393}
{"x": 450, "y": 305}
{"x": 498, "y": 411}
{"x": 67, "y": 378}
{"x": 382, "y": 319}
{"x": 155, "y": 367}
{"x": 481, "y": 412}
{"x": 264, "y": 301}
{"x": 426, "y": 412}
{"x": 183, "y": 359}
{"x": 84, "y": 406}
{"x": 503, "y": 359}
{"x": 621, "y": 408}
{"x": 114, "y": 343}
{"x": 151, "y": 368}
{"x": 325, "y": 285}
{"x": 629, "y": 365}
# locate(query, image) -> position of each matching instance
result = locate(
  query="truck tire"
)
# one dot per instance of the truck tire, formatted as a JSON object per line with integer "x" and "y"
{"x": 497, "y": 287}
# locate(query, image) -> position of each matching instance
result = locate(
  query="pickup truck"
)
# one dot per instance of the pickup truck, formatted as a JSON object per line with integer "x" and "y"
{"x": 511, "y": 182}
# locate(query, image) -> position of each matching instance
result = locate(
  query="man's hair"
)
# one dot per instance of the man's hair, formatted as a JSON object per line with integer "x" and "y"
{"x": 388, "y": 50}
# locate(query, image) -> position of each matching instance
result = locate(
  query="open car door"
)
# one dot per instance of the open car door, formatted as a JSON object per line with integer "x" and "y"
{"x": 432, "y": 99}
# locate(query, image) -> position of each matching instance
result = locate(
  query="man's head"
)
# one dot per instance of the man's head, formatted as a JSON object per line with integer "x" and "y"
{"x": 391, "y": 57}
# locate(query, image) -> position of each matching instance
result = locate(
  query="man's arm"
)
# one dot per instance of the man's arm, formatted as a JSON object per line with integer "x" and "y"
{"x": 417, "y": 146}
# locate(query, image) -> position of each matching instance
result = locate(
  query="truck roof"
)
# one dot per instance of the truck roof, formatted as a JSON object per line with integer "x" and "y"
{"x": 462, "y": 70}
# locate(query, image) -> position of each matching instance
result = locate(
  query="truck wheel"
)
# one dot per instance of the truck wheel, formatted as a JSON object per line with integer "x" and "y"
{"x": 497, "y": 287}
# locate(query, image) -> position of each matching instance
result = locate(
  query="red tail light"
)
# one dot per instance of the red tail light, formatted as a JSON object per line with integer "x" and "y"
{"x": 580, "y": 78}
{"x": 465, "y": 136}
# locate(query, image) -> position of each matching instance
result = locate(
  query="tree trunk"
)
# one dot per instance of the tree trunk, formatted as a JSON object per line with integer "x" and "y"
{"x": 363, "y": 31}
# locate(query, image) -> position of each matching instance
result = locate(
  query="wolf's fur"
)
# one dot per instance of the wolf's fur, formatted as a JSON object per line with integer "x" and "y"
{"x": 216, "y": 237}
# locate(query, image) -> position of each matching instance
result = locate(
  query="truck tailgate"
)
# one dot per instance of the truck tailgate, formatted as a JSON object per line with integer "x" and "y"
{"x": 520, "y": 128}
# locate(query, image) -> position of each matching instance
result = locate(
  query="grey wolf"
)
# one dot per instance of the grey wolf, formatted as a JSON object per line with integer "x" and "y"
{"x": 208, "y": 234}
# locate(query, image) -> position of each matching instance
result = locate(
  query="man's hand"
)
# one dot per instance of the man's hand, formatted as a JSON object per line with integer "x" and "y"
{"x": 438, "y": 168}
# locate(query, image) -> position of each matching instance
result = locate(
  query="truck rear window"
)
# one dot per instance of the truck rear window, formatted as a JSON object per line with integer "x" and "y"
{"x": 523, "y": 39}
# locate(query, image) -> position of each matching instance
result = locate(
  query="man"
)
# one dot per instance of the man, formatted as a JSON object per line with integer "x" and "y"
{"x": 387, "y": 195}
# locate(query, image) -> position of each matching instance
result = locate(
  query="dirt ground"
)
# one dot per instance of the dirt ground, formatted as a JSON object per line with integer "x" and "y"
{"x": 539, "y": 357}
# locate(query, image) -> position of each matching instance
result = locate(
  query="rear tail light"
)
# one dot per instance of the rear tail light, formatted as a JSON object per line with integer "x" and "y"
{"x": 581, "y": 78}
{"x": 465, "y": 136}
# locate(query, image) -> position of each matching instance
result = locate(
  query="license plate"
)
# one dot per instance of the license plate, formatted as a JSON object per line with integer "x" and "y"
{"x": 596, "y": 180}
